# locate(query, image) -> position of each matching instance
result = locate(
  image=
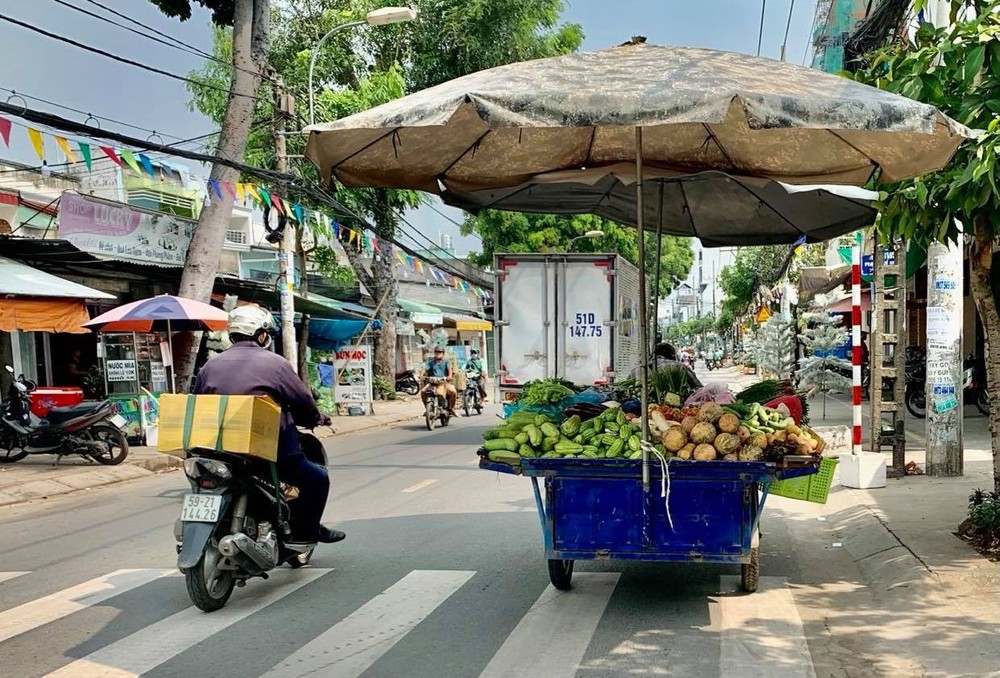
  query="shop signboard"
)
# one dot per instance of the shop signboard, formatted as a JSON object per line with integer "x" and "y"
{"x": 353, "y": 370}
{"x": 121, "y": 370}
{"x": 121, "y": 232}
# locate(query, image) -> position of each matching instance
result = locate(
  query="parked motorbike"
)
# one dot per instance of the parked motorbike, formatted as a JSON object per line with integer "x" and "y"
{"x": 436, "y": 405}
{"x": 90, "y": 429}
{"x": 407, "y": 382}
{"x": 713, "y": 364}
{"x": 471, "y": 399}
{"x": 974, "y": 390}
{"x": 234, "y": 523}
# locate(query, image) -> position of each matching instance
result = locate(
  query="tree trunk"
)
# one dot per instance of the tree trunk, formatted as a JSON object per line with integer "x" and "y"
{"x": 980, "y": 265}
{"x": 250, "y": 34}
{"x": 302, "y": 259}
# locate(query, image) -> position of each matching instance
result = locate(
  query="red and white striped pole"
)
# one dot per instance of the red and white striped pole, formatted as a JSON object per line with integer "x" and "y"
{"x": 856, "y": 338}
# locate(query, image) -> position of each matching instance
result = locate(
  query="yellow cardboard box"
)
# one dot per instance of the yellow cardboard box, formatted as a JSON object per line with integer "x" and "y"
{"x": 235, "y": 424}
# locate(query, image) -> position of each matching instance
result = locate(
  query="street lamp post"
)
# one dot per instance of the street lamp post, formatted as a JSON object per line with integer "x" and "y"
{"x": 377, "y": 17}
{"x": 588, "y": 235}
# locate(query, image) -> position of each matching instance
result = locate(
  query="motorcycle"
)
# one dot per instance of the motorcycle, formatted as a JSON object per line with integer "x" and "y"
{"x": 234, "y": 523}
{"x": 471, "y": 398}
{"x": 974, "y": 390}
{"x": 406, "y": 382}
{"x": 713, "y": 364}
{"x": 90, "y": 429}
{"x": 436, "y": 403}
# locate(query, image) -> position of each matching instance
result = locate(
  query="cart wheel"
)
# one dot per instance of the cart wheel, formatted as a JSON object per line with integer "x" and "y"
{"x": 561, "y": 574}
{"x": 750, "y": 572}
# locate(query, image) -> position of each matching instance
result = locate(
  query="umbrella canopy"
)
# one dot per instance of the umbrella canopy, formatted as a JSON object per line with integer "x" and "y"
{"x": 160, "y": 314}
{"x": 719, "y": 209}
{"x": 699, "y": 110}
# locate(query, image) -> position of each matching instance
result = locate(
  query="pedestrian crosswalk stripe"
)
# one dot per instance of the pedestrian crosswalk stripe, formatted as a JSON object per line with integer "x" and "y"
{"x": 18, "y": 620}
{"x": 762, "y": 634}
{"x": 145, "y": 650}
{"x": 7, "y": 576}
{"x": 552, "y": 638}
{"x": 354, "y": 644}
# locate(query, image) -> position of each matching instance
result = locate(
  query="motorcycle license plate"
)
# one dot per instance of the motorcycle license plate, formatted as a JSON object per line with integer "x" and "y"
{"x": 201, "y": 508}
{"x": 119, "y": 421}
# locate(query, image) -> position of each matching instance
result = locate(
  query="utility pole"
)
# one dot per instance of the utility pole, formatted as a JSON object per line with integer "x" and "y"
{"x": 286, "y": 280}
{"x": 944, "y": 384}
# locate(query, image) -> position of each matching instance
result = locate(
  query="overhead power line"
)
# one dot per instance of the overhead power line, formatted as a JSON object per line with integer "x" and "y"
{"x": 294, "y": 183}
{"x": 760, "y": 34}
{"x": 171, "y": 42}
{"x": 15, "y": 94}
{"x": 180, "y": 42}
{"x": 124, "y": 60}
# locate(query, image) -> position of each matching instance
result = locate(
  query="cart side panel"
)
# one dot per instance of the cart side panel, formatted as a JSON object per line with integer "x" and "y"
{"x": 606, "y": 518}
{"x": 595, "y": 514}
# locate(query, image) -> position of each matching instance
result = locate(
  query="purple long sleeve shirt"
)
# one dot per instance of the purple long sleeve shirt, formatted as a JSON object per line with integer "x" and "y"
{"x": 247, "y": 369}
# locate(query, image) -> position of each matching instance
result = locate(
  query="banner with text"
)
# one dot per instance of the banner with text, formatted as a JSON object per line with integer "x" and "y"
{"x": 120, "y": 232}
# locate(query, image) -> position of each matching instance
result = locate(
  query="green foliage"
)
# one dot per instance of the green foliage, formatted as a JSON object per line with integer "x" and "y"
{"x": 755, "y": 267}
{"x": 984, "y": 510}
{"x": 222, "y": 10}
{"x": 519, "y": 233}
{"x": 956, "y": 69}
{"x": 457, "y": 37}
{"x": 690, "y": 331}
{"x": 384, "y": 388}
{"x": 325, "y": 259}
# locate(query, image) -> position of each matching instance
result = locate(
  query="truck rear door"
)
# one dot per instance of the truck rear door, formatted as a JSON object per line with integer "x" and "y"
{"x": 586, "y": 314}
{"x": 525, "y": 336}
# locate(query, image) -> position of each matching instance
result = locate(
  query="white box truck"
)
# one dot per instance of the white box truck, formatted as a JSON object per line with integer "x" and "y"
{"x": 565, "y": 316}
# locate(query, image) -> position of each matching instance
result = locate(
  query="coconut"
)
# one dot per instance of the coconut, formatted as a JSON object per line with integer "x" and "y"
{"x": 689, "y": 423}
{"x": 729, "y": 423}
{"x": 675, "y": 439}
{"x": 703, "y": 432}
{"x": 710, "y": 412}
{"x": 726, "y": 443}
{"x": 704, "y": 453}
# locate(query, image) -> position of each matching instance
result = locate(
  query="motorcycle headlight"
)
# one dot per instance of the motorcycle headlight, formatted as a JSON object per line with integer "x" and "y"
{"x": 199, "y": 467}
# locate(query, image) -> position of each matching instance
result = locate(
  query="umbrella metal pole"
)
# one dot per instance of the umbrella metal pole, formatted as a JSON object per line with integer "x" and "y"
{"x": 659, "y": 257}
{"x": 173, "y": 368}
{"x": 643, "y": 311}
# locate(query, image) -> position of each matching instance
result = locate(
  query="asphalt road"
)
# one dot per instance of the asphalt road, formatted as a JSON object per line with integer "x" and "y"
{"x": 441, "y": 575}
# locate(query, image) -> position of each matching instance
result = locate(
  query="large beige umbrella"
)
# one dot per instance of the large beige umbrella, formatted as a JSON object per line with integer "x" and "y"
{"x": 699, "y": 109}
{"x": 676, "y": 110}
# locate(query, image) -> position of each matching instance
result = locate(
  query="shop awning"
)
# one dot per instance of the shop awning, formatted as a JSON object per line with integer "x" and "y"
{"x": 331, "y": 334}
{"x": 324, "y": 307}
{"x": 17, "y": 279}
{"x": 846, "y": 306}
{"x": 43, "y": 314}
{"x": 460, "y": 321}
{"x": 32, "y": 300}
{"x": 419, "y": 313}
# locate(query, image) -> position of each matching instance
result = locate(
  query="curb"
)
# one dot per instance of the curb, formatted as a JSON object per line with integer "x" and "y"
{"x": 370, "y": 425}
{"x": 97, "y": 477}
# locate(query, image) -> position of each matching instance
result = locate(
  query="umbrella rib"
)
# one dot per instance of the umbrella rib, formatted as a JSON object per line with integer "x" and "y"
{"x": 770, "y": 207}
{"x": 461, "y": 155}
{"x": 365, "y": 147}
{"x": 718, "y": 144}
{"x": 687, "y": 208}
{"x": 590, "y": 146}
{"x": 858, "y": 151}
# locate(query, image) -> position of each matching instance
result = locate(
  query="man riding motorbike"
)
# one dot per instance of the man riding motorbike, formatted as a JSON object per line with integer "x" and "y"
{"x": 250, "y": 368}
{"x": 441, "y": 368}
{"x": 475, "y": 366}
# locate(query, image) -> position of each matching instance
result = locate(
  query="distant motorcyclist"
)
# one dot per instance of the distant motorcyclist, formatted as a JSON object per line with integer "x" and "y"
{"x": 248, "y": 367}
{"x": 440, "y": 368}
{"x": 475, "y": 366}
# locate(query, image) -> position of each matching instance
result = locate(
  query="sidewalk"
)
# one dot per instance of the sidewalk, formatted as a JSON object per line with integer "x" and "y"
{"x": 38, "y": 477}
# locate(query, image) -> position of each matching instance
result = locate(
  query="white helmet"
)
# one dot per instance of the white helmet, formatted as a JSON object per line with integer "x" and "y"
{"x": 249, "y": 320}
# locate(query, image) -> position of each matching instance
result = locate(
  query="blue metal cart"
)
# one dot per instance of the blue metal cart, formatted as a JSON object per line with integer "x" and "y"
{"x": 597, "y": 509}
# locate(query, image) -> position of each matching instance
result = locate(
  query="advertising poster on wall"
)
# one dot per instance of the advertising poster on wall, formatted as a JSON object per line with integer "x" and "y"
{"x": 353, "y": 375}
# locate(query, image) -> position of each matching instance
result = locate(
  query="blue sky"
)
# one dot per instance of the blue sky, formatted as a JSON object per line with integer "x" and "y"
{"x": 37, "y": 66}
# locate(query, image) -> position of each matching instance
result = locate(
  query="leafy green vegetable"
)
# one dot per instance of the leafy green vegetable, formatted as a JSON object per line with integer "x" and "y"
{"x": 544, "y": 392}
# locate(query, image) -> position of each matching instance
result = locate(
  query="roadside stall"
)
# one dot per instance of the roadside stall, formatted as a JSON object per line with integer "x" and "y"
{"x": 136, "y": 351}
{"x": 731, "y": 149}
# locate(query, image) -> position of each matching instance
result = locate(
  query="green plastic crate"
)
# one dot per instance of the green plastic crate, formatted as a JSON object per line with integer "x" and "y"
{"x": 815, "y": 487}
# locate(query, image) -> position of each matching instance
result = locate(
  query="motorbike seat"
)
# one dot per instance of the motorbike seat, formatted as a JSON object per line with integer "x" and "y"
{"x": 58, "y": 415}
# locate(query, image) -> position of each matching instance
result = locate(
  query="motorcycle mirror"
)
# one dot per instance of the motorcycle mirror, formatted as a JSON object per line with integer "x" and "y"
{"x": 9, "y": 369}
